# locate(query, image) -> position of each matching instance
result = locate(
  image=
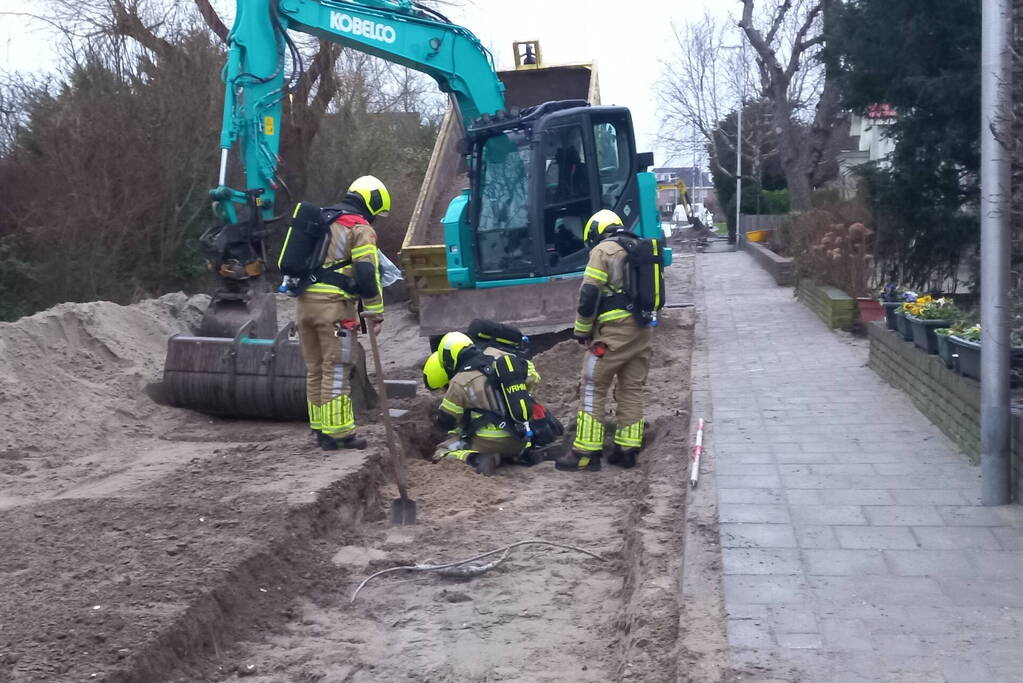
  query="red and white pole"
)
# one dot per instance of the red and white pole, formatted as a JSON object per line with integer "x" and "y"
{"x": 694, "y": 473}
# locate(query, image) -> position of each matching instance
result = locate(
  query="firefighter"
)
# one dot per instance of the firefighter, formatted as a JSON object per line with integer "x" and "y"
{"x": 618, "y": 348}
{"x": 470, "y": 412}
{"x": 328, "y": 315}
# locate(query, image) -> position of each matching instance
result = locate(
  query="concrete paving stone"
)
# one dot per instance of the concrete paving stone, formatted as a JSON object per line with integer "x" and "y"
{"x": 956, "y": 538}
{"x": 764, "y": 589}
{"x": 1010, "y": 538}
{"x": 749, "y": 513}
{"x": 965, "y": 670}
{"x": 840, "y": 562}
{"x": 793, "y": 618}
{"x": 941, "y": 563}
{"x": 878, "y": 590}
{"x": 755, "y": 496}
{"x": 761, "y": 561}
{"x": 827, "y": 514}
{"x": 859, "y": 497}
{"x": 830, "y": 469}
{"x": 804, "y": 496}
{"x": 845, "y": 634}
{"x": 970, "y": 515}
{"x": 803, "y": 641}
{"x": 928, "y": 497}
{"x": 815, "y": 536}
{"x": 748, "y": 481}
{"x": 998, "y": 564}
{"x": 903, "y": 515}
{"x": 786, "y": 455}
{"x": 1002, "y": 593}
{"x": 757, "y": 536}
{"x": 743, "y": 633}
{"x": 724, "y": 466}
{"x": 758, "y": 612}
{"x": 875, "y": 537}
{"x": 764, "y": 455}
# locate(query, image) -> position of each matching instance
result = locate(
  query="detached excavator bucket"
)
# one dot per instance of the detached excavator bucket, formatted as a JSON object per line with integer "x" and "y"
{"x": 534, "y": 309}
{"x": 246, "y": 377}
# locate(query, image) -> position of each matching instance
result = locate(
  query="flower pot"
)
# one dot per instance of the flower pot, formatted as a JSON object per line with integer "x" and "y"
{"x": 945, "y": 350}
{"x": 923, "y": 332}
{"x": 869, "y": 309}
{"x": 966, "y": 356}
{"x": 905, "y": 329}
{"x": 890, "y": 313}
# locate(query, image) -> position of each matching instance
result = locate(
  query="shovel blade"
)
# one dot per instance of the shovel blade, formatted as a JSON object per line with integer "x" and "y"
{"x": 403, "y": 512}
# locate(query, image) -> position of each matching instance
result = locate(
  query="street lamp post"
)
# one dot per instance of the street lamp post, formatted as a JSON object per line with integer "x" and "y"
{"x": 741, "y": 47}
{"x": 995, "y": 191}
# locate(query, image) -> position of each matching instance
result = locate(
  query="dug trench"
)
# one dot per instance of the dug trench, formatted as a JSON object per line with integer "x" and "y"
{"x": 183, "y": 548}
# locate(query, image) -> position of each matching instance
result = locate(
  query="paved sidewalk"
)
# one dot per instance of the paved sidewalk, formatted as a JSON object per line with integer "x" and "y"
{"x": 853, "y": 543}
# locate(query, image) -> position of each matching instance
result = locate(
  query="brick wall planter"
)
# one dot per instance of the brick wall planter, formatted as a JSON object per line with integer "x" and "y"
{"x": 781, "y": 268}
{"x": 949, "y": 400}
{"x": 836, "y": 308}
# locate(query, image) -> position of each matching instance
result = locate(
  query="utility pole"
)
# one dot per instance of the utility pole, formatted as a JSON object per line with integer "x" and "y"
{"x": 995, "y": 193}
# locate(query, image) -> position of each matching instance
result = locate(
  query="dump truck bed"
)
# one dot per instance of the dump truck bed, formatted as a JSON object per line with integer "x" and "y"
{"x": 535, "y": 308}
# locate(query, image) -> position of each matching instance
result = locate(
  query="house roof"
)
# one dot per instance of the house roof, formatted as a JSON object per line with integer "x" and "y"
{"x": 693, "y": 177}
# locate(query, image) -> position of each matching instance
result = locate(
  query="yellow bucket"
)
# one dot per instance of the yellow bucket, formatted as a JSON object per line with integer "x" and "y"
{"x": 758, "y": 235}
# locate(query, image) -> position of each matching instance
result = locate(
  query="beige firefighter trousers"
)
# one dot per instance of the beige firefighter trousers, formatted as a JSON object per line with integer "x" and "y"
{"x": 626, "y": 362}
{"x": 329, "y": 361}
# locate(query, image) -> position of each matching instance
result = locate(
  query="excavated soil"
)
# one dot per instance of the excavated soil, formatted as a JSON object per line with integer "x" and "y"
{"x": 145, "y": 543}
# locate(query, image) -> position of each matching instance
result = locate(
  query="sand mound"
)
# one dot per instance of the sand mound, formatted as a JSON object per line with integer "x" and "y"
{"x": 74, "y": 376}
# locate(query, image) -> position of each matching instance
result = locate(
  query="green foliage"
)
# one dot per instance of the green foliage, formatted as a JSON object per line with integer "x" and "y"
{"x": 775, "y": 201}
{"x": 922, "y": 57}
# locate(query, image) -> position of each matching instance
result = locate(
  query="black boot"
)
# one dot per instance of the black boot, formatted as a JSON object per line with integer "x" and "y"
{"x": 578, "y": 461}
{"x": 351, "y": 441}
{"x": 623, "y": 457}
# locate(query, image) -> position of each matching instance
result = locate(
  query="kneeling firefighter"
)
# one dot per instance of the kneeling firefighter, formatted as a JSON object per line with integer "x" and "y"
{"x": 328, "y": 318}
{"x": 488, "y": 409}
{"x": 615, "y": 326}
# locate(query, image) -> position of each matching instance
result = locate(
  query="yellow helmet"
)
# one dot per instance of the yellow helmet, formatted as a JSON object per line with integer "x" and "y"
{"x": 440, "y": 366}
{"x": 602, "y": 223}
{"x": 373, "y": 193}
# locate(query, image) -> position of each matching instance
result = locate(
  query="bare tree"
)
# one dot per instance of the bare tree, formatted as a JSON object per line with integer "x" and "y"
{"x": 787, "y": 39}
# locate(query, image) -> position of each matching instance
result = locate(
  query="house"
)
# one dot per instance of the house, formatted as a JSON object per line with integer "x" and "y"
{"x": 867, "y": 142}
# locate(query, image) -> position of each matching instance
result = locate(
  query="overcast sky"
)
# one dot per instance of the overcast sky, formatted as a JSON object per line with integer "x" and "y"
{"x": 627, "y": 40}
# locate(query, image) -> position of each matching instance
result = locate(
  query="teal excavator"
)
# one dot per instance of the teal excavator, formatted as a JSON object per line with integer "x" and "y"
{"x": 535, "y": 176}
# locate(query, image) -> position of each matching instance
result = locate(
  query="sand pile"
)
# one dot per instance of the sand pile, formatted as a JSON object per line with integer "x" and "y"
{"x": 74, "y": 376}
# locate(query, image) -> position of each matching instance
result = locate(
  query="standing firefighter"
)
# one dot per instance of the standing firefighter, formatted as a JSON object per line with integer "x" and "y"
{"x": 328, "y": 315}
{"x": 615, "y": 327}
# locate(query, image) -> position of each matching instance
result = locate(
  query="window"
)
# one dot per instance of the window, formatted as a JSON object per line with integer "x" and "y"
{"x": 565, "y": 163}
{"x": 503, "y": 245}
{"x": 614, "y": 159}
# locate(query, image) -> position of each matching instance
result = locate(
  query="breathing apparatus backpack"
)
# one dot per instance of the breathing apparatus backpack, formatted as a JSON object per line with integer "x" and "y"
{"x": 304, "y": 250}
{"x": 644, "y": 277}
{"x": 518, "y": 413}
{"x": 498, "y": 335}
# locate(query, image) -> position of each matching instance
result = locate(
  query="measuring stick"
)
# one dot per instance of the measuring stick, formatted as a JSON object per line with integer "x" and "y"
{"x": 694, "y": 473}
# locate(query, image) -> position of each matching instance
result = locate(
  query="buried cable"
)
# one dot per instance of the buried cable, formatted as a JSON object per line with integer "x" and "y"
{"x": 458, "y": 570}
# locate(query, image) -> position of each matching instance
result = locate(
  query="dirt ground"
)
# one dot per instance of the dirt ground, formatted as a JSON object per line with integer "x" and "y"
{"x": 145, "y": 543}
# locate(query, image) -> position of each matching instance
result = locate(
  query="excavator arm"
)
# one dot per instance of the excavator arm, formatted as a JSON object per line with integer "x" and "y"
{"x": 400, "y": 31}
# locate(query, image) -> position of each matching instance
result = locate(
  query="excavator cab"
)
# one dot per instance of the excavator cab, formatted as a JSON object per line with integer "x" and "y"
{"x": 536, "y": 178}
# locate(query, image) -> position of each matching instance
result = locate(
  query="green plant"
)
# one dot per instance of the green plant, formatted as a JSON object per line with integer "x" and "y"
{"x": 940, "y": 309}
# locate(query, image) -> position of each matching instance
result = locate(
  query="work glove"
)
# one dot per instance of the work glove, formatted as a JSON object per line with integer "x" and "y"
{"x": 583, "y": 340}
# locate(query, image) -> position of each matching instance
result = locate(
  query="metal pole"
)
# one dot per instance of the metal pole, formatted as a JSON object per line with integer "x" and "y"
{"x": 995, "y": 171}
{"x": 738, "y": 142}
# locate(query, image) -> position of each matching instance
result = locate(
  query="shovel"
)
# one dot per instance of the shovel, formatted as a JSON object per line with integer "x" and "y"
{"x": 403, "y": 508}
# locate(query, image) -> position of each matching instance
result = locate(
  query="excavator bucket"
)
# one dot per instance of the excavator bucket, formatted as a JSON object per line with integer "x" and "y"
{"x": 246, "y": 377}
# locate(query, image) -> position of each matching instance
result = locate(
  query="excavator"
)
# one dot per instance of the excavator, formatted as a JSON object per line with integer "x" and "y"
{"x": 535, "y": 176}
